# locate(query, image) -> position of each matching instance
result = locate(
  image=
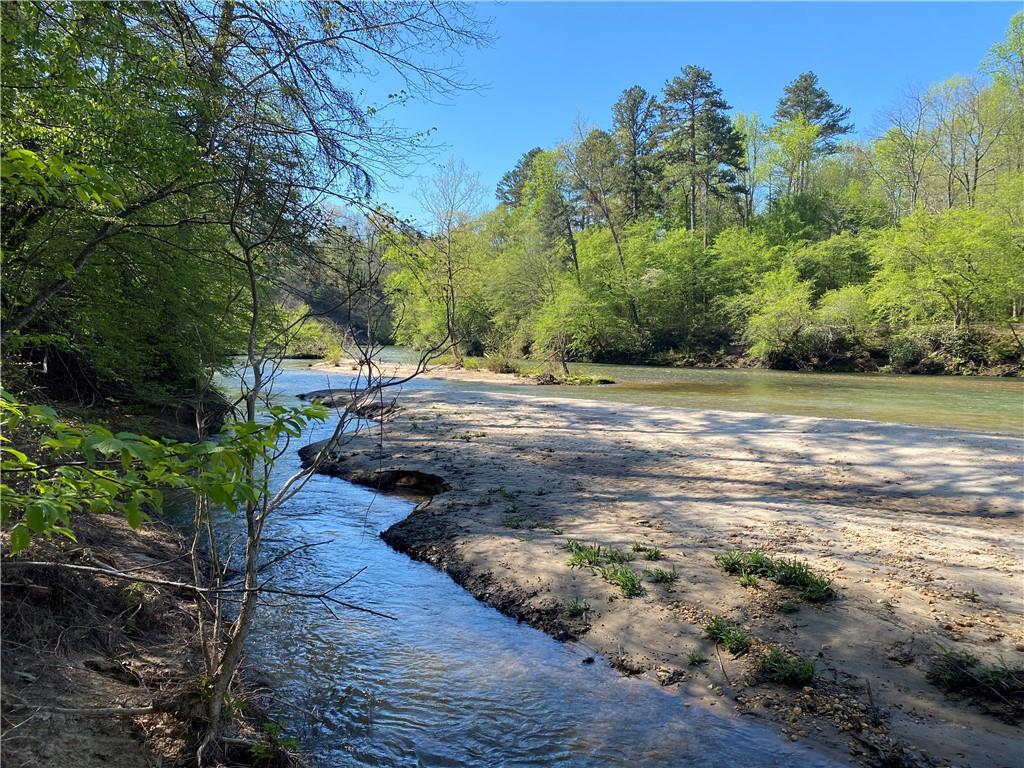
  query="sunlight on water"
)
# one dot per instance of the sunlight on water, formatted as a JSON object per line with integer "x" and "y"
{"x": 450, "y": 681}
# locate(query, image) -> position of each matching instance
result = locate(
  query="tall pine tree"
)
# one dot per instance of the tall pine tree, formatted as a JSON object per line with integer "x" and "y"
{"x": 635, "y": 119}
{"x": 805, "y": 98}
{"x": 700, "y": 146}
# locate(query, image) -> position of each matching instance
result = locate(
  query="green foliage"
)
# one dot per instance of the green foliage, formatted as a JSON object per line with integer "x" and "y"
{"x": 90, "y": 469}
{"x": 963, "y": 673}
{"x": 577, "y": 607}
{"x": 779, "y": 315}
{"x": 786, "y": 573}
{"x": 646, "y": 551}
{"x": 748, "y": 580}
{"x": 661, "y": 576}
{"x": 694, "y": 236}
{"x": 728, "y": 635}
{"x": 625, "y": 578}
{"x": 780, "y": 667}
{"x": 962, "y": 266}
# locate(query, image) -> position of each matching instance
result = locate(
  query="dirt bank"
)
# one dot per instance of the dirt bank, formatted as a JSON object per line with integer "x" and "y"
{"x": 918, "y": 529}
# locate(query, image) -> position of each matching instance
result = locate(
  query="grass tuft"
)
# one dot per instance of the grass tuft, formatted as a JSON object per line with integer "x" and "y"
{"x": 789, "y": 606}
{"x": 787, "y": 573}
{"x": 661, "y": 576}
{"x": 781, "y": 667}
{"x": 586, "y": 555}
{"x": 962, "y": 672}
{"x": 696, "y": 659}
{"x": 625, "y": 578}
{"x": 577, "y": 607}
{"x": 728, "y": 635}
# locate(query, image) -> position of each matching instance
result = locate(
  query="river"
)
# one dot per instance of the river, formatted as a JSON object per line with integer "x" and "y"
{"x": 451, "y": 682}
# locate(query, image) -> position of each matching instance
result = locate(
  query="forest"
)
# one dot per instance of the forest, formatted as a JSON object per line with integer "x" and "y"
{"x": 685, "y": 233}
{"x": 190, "y": 195}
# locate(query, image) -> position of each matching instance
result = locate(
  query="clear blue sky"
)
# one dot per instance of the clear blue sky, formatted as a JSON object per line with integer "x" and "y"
{"x": 553, "y": 61}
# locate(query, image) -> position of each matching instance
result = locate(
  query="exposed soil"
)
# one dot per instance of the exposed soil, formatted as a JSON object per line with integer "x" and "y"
{"x": 919, "y": 530}
{"x": 75, "y": 642}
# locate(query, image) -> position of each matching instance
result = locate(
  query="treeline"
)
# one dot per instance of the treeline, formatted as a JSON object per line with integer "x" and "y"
{"x": 686, "y": 233}
{"x": 171, "y": 174}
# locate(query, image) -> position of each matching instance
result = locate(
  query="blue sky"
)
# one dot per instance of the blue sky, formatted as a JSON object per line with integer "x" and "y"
{"x": 553, "y": 61}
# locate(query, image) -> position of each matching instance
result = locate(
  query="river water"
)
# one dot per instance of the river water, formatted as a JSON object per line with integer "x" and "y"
{"x": 451, "y": 682}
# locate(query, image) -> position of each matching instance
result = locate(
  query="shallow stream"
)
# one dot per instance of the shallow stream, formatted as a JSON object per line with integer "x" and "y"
{"x": 450, "y": 681}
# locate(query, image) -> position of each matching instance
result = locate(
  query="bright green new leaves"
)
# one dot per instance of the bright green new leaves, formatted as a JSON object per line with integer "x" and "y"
{"x": 780, "y": 312}
{"x": 962, "y": 266}
{"x": 90, "y": 469}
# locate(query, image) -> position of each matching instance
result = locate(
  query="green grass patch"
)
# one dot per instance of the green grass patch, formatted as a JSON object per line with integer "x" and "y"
{"x": 964, "y": 673}
{"x": 781, "y": 667}
{"x": 786, "y": 573}
{"x": 728, "y": 635}
{"x": 576, "y": 608}
{"x": 519, "y": 521}
{"x": 586, "y": 555}
{"x": 625, "y": 578}
{"x": 661, "y": 576}
{"x": 696, "y": 659}
{"x": 593, "y": 555}
{"x": 646, "y": 551}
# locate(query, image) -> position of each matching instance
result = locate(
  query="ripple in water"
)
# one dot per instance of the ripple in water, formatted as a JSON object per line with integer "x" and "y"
{"x": 451, "y": 682}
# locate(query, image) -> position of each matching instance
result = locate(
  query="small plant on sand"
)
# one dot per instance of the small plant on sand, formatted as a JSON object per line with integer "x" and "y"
{"x": 625, "y": 578}
{"x": 786, "y": 573}
{"x": 780, "y": 667}
{"x": 518, "y": 520}
{"x": 661, "y": 576}
{"x": 645, "y": 551}
{"x": 696, "y": 659}
{"x": 615, "y": 556}
{"x": 586, "y": 555}
{"x": 577, "y": 607}
{"x": 728, "y": 635}
{"x": 789, "y": 606}
{"x": 748, "y": 580}
{"x": 962, "y": 672}
{"x": 811, "y": 587}
{"x": 756, "y": 563}
{"x": 730, "y": 562}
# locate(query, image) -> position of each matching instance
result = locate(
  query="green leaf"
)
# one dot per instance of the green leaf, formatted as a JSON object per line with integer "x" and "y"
{"x": 20, "y": 538}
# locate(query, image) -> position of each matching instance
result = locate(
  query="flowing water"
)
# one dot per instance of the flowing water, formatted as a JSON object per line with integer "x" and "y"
{"x": 977, "y": 403}
{"x": 451, "y": 682}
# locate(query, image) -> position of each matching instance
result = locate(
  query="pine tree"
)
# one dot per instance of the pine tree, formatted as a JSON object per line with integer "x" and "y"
{"x": 700, "y": 144}
{"x": 635, "y": 118}
{"x": 805, "y": 98}
{"x": 510, "y": 188}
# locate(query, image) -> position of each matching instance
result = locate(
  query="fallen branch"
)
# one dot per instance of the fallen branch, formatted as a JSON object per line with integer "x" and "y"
{"x": 323, "y": 597}
{"x": 89, "y": 711}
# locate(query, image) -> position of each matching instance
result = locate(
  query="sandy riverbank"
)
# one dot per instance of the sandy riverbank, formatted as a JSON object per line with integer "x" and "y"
{"x": 438, "y": 372}
{"x": 918, "y": 528}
